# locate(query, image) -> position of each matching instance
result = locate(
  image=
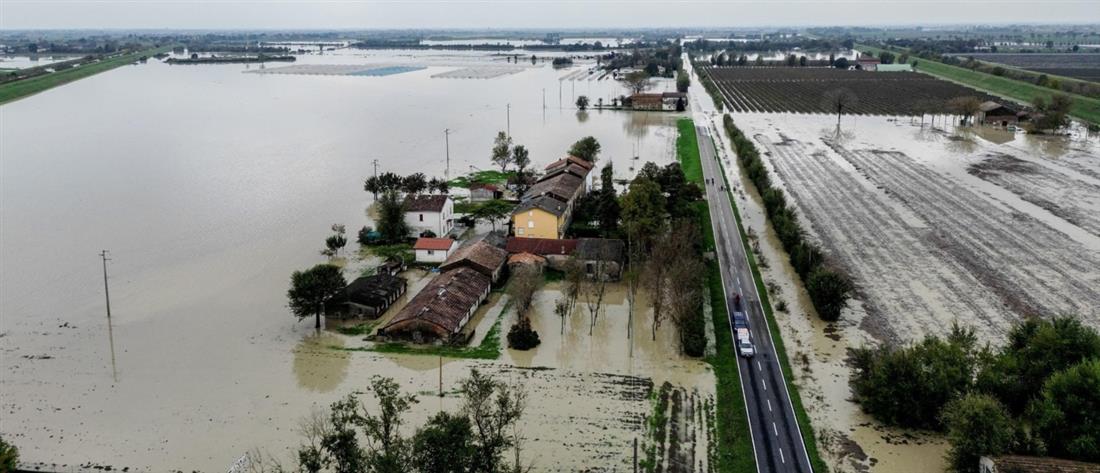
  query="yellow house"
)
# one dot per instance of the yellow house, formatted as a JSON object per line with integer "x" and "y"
{"x": 540, "y": 217}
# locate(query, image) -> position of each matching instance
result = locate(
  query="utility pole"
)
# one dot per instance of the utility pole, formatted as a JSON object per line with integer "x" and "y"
{"x": 375, "y": 167}
{"x": 544, "y": 98}
{"x": 106, "y": 290}
{"x": 509, "y": 108}
{"x": 447, "y": 144}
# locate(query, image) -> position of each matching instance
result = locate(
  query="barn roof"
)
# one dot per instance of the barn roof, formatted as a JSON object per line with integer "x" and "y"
{"x": 606, "y": 249}
{"x": 374, "y": 290}
{"x": 562, "y": 186}
{"x": 1026, "y": 464}
{"x": 442, "y": 305}
{"x": 480, "y": 256}
{"x": 541, "y": 246}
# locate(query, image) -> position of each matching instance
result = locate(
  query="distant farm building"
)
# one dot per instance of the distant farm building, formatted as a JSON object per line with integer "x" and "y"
{"x": 598, "y": 256}
{"x": 995, "y": 113}
{"x": 485, "y": 192}
{"x": 867, "y": 62}
{"x": 434, "y": 250}
{"x": 429, "y": 213}
{"x": 368, "y": 296}
{"x": 666, "y": 101}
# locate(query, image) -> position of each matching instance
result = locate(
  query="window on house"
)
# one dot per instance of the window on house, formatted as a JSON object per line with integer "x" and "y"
{"x": 519, "y": 231}
{"x": 530, "y": 224}
{"x": 421, "y": 217}
{"x": 431, "y": 252}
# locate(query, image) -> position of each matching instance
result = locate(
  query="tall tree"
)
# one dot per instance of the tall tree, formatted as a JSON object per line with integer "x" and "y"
{"x": 502, "y": 151}
{"x": 643, "y": 212}
{"x": 582, "y": 102}
{"x": 638, "y": 81}
{"x": 1067, "y": 413}
{"x": 587, "y": 148}
{"x": 391, "y": 217}
{"x": 608, "y": 204}
{"x": 493, "y": 211}
{"x": 493, "y": 408}
{"x": 311, "y": 289}
{"x": 977, "y": 425}
{"x": 414, "y": 183}
{"x": 443, "y": 445}
{"x": 521, "y": 158}
{"x": 387, "y": 450}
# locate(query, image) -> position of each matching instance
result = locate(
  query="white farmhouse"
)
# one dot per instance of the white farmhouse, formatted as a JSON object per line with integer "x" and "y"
{"x": 429, "y": 213}
{"x": 434, "y": 250}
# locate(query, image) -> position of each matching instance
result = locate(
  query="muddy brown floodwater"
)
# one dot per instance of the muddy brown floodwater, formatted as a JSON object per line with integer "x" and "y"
{"x": 936, "y": 226}
{"x": 210, "y": 186}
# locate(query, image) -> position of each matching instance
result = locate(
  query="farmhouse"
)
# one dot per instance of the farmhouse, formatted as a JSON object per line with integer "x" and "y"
{"x": 484, "y": 192}
{"x": 994, "y": 113}
{"x": 368, "y": 296}
{"x": 434, "y": 250}
{"x": 666, "y": 101}
{"x": 429, "y": 213}
{"x": 1025, "y": 464}
{"x": 480, "y": 256}
{"x": 867, "y": 62}
{"x": 442, "y": 309}
{"x": 546, "y": 208}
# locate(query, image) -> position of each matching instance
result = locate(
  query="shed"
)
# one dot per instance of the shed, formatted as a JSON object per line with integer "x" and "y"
{"x": 526, "y": 260}
{"x": 994, "y": 113}
{"x": 602, "y": 257}
{"x": 368, "y": 296}
{"x": 485, "y": 192}
{"x": 434, "y": 250}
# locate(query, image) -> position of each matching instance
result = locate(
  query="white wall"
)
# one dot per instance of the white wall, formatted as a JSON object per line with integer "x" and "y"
{"x": 434, "y": 256}
{"x": 437, "y": 222}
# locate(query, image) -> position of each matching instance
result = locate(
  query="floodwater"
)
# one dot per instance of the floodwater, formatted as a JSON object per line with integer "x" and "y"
{"x": 209, "y": 186}
{"x": 1059, "y": 172}
{"x": 23, "y": 62}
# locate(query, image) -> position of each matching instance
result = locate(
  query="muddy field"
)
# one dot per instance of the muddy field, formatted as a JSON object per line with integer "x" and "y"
{"x": 903, "y": 238}
{"x": 802, "y": 89}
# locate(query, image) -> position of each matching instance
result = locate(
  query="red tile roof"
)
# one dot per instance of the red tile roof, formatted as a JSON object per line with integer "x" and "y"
{"x": 480, "y": 256}
{"x": 570, "y": 160}
{"x": 541, "y": 246}
{"x": 442, "y": 306}
{"x": 433, "y": 244}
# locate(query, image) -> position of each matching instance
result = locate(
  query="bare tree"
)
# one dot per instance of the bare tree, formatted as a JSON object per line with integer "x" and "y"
{"x": 966, "y": 107}
{"x": 522, "y": 289}
{"x": 574, "y": 277}
{"x": 494, "y": 408}
{"x": 839, "y": 100}
{"x": 638, "y": 81}
{"x": 686, "y": 295}
{"x": 561, "y": 309}
{"x": 595, "y": 288}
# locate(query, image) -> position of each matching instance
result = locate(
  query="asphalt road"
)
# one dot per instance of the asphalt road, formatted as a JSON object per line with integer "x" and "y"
{"x": 776, "y": 438}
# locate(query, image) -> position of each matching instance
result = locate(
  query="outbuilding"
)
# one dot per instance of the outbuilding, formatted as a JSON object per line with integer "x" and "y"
{"x": 440, "y": 311}
{"x": 368, "y": 296}
{"x": 434, "y": 250}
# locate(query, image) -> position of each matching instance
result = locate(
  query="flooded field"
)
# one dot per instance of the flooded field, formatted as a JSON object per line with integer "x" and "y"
{"x": 210, "y": 186}
{"x": 869, "y": 194}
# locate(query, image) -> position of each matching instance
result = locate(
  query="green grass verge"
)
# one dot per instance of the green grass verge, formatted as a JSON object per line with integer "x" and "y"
{"x": 489, "y": 349}
{"x": 1084, "y": 108}
{"x": 481, "y": 177}
{"x": 26, "y": 87}
{"x": 358, "y": 329}
{"x": 796, "y": 399}
{"x": 687, "y": 151}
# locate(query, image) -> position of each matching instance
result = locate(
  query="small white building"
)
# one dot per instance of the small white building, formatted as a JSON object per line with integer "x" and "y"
{"x": 434, "y": 250}
{"x": 429, "y": 213}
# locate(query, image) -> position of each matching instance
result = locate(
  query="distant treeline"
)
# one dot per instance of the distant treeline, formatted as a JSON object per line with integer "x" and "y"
{"x": 416, "y": 44}
{"x": 230, "y": 59}
{"x": 791, "y": 44}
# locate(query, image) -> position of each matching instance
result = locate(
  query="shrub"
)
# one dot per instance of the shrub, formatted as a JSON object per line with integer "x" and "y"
{"x": 522, "y": 337}
{"x": 829, "y": 291}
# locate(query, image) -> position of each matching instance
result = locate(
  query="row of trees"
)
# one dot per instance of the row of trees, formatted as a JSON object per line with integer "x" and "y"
{"x": 829, "y": 288}
{"x": 1037, "y": 395}
{"x": 658, "y": 217}
{"x": 350, "y": 438}
{"x": 415, "y": 183}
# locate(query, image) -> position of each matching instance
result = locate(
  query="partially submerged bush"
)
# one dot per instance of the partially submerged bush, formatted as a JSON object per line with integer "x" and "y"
{"x": 522, "y": 337}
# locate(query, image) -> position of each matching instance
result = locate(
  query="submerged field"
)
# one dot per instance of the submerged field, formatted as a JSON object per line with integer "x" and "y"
{"x": 1084, "y": 66}
{"x": 978, "y": 226}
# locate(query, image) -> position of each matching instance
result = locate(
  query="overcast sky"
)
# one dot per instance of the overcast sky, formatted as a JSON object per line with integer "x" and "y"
{"x": 228, "y": 14}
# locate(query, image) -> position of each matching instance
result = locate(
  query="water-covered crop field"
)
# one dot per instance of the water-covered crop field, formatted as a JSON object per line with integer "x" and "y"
{"x": 1084, "y": 66}
{"x": 803, "y": 90}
